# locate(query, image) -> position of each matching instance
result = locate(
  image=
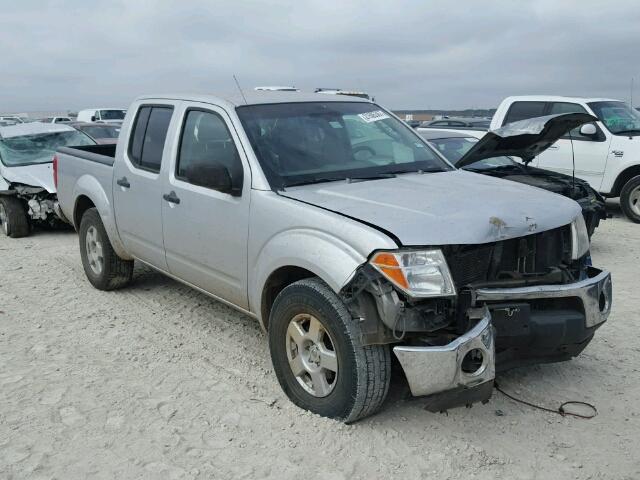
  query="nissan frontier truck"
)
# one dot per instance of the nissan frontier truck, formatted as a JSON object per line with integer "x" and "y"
{"x": 347, "y": 237}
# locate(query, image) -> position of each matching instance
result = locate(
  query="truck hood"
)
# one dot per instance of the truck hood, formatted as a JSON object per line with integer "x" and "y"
{"x": 525, "y": 139}
{"x": 38, "y": 175}
{"x": 444, "y": 208}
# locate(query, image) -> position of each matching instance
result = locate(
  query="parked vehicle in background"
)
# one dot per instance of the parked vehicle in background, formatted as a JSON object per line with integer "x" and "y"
{"x": 102, "y": 133}
{"x": 11, "y": 119}
{"x": 606, "y": 152}
{"x": 455, "y": 146}
{"x": 458, "y": 122}
{"x": 55, "y": 120}
{"x": 27, "y": 190}
{"x": 105, "y": 115}
{"x": 347, "y": 236}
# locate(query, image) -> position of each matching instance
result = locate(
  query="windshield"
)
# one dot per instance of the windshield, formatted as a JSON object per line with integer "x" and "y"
{"x": 312, "y": 142}
{"x": 618, "y": 117}
{"x": 101, "y": 131}
{"x": 453, "y": 149}
{"x": 112, "y": 114}
{"x": 40, "y": 148}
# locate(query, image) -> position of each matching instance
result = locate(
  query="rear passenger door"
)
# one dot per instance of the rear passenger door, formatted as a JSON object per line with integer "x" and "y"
{"x": 137, "y": 188}
{"x": 205, "y": 224}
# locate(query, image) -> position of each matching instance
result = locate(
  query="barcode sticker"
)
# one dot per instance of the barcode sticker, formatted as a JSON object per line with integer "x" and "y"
{"x": 373, "y": 116}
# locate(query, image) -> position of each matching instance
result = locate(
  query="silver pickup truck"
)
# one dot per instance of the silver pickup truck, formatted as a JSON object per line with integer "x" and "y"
{"x": 347, "y": 236}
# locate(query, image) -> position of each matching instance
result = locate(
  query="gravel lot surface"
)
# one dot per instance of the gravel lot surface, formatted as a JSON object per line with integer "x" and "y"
{"x": 159, "y": 381}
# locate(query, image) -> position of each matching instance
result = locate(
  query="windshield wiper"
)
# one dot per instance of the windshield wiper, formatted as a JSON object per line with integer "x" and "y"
{"x": 632, "y": 130}
{"x": 364, "y": 178}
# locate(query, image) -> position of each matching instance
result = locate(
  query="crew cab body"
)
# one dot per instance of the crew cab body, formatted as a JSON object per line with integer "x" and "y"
{"x": 606, "y": 153}
{"x": 346, "y": 235}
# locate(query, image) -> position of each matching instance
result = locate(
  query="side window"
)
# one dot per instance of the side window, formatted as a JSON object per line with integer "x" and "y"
{"x": 567, "y": 107}
{"x": 148, "y": 136}
{"x": 524, "y": 110}
{"x": 206, "y": 150}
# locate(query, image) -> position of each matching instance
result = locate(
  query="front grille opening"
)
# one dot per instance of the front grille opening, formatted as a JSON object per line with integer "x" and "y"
{"x": 513, "y": 259}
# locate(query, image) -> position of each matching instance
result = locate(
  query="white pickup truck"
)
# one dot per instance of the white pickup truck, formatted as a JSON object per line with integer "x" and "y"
{"x": 607, "y": 154}
{"x": 347, "y": 236}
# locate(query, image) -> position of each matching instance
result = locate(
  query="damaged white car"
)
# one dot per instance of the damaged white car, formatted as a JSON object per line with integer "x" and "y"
{"x": 27, "y": 191}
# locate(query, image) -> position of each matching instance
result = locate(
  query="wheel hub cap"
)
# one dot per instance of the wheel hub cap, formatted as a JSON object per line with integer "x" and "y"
{"x": 311, "y": 354}
{"x": 3, "y": 220}
{"x": 634, "y": 200}
{"x": 94, "y": 250}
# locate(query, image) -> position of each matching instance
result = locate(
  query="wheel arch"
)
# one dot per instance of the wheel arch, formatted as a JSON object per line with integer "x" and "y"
{"x": 622, "y": 178}
{"x": 296, "y": 254}
{"x": 89, "y": 193}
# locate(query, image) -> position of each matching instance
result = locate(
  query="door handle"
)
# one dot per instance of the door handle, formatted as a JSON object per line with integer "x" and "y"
{"x": 171, "y": 197}
{"x": 553, "y": 147}
{"x": 123, "y": 182}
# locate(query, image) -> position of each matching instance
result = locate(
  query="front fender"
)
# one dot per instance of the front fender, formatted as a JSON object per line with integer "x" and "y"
{"x": 329, "y": 258}
{"x": 88, "y": 186}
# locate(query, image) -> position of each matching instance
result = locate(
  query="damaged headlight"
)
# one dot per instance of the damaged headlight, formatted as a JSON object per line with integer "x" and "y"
{"x": 418, "y": 273}
{"x": 579, "y": 238}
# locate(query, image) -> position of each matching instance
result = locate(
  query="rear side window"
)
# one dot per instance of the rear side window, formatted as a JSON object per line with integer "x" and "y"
{"x": 566, "y": 107}
{"x": 148, "y": 136}
{"x": 524, "y": 110}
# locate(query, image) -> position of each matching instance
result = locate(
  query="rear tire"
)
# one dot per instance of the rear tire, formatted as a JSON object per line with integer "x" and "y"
{"x": 335, "y": 376}
{"x": 630, "y": 199}
{"x": 14, "y": 222}
{"x": 103, "y": 267}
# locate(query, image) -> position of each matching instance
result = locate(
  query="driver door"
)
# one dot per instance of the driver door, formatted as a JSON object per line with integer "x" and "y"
{"x": 206, "y": 229}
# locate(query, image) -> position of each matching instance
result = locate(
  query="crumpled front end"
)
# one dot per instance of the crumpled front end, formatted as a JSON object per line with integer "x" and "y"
{"x": 488, "y": 308}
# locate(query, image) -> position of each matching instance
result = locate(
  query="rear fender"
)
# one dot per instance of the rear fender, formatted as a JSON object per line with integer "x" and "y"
{"x": 88, "y": 186}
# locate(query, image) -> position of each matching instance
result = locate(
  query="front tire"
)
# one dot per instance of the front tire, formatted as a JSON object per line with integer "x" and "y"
{"x": 103, "y": 267}
{"x": 318, "y": 356}
{"x": 14, "y": 222}
{"x": 630, "y": 199}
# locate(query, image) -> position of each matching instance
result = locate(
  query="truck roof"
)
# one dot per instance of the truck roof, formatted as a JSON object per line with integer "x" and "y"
{"x": 557, "y": 98}
{"x": 255, "y": 98}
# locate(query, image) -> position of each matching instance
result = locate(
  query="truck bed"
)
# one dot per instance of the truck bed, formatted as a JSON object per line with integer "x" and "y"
{"x": 104, "y": 154}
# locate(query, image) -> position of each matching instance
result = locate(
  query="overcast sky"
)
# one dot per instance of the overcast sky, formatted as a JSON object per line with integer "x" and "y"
{"x": 60, "y": 55}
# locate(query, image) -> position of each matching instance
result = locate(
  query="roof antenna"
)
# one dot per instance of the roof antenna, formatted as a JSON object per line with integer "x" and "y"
{"x": 239, "y": 88}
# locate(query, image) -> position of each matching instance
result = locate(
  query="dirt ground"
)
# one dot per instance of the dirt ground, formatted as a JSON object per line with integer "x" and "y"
{"x": 159, "y": 381}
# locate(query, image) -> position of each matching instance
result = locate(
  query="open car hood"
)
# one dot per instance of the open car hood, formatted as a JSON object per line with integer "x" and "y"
{"x": 525, "y": 139}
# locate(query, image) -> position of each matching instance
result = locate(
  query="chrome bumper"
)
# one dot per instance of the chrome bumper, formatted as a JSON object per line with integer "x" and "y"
{"x": 595, "y": 293}
{"x": 431, "y": 370}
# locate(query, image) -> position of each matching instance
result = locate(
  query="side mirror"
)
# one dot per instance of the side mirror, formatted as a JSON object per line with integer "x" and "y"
{"x": 588, "y": 130}
{"x": 93, "y": 118}
{"x": 214, "y": 176}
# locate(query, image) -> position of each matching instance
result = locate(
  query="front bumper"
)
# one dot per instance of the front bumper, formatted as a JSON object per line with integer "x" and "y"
{"x": 436, "y": 369}
{"x": 544, "y": 335}
{"x": 594, "y": 292}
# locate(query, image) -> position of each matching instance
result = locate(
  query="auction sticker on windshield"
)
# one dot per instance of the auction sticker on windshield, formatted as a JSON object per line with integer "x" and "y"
{"x": 373, "y": 116}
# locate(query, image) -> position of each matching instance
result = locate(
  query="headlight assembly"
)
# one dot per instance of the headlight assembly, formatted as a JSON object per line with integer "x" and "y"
{"x": 419, "y": 273}
{"x": 579, "y": 238}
